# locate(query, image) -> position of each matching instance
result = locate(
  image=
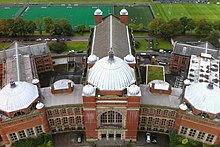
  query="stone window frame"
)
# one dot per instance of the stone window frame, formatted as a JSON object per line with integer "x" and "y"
{"x": 170, "y": 123}
{"x": 13, "y": 137}
{"x": 77, "y": 110}
{"x": 70, "y": 111}
{"x": 63, "y": 111}
{"x": 163, "y": 122}
{"x": 143, "y": 120}
{"x": 144, "y": 110}
{"x": 39, "y": 129}
{"x": 172, "y": 113}
{"x": 58, "y": 121}
{"x": 158, "y": 112}
{"x": 30, "y": 132}
{"x": 49, "y": 113}
{"x": 149, "y": 120}
{"x": 156, "y": 121}
{"x": 183, "y": 130}
{"x": 200, "y": 135}
{"x": 78, "y": 119}
{"x": 111, "y": 117}
{"x": 72, "y": 120}
{"x": 165, "y": 112}
{"x": 22, "y": 134}
{"x": 151, "y": 111}
{"x": 51, "y": 122}
{"x": 56, "y": 112}
{"x": 65, "y": 120}
{"x": 210, "y": 138}
{"x": 192, "y": 133}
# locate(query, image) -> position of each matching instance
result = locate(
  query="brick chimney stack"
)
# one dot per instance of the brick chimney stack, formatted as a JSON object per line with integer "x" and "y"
{"x": 124, "y": 16}
{"x": 98, "y": 16}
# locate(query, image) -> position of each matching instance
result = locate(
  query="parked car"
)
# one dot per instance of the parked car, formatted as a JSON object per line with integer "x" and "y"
{"x": 148, "y": 140}
{"x": 79, "y": 138}
{"x": 79, "y": 51}
{"x": 154, "y": 138}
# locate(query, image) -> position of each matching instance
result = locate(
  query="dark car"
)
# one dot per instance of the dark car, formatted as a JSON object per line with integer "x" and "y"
{"x": 79, "y": 51}
{"x": 79, "y": 138}
{"x": 154, "y": 138}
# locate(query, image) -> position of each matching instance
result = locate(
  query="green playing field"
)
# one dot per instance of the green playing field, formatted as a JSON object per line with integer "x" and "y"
{"x": 137, "y": 15}
{"x": 9, "y": 12}
{"x": 75, "y": 14}
{"x": 172, "y": 10}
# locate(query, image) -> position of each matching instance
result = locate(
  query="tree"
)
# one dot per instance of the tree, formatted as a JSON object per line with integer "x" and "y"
{"x": 58, "y": 47}
{"x": 66, "y": 26}
{"x": 216, "y": 25}
{"x": 19, "y": 27}
{"x": 39, "y": 23}
{"x": 80, "y": 28}
{"x": 30, "y": 27}
{"x": 3, "y": 27}
{"x": 214, "y": 37}
{"x": 58, "y": 30}
{"x": 177, "y": 27}
{"x": 155, "y": 25}
{"x": 188, "y": 24}
{"x": 48, "y": 25}
{"x": 203, "y": 27}
{"x": 166, "y": 31}
{"x": 10, "y": 27}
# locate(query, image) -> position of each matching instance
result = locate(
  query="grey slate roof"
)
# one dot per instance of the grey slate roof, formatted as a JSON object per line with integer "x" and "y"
{"x": 119, "y": 38}
{"x": 172, "y": 101}
{"x": 194, "y": 50}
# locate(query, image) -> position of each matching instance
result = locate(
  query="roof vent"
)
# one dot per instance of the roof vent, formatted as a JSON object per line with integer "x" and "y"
{"x": 12, "y": 83}
{"x": 210, "y": 86}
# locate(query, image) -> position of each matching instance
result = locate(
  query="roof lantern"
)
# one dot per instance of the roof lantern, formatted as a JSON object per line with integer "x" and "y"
{"x": 35, "y": 81}
{"x": 92, "y": 58}
{"x": 183, "y": 106}
{"x": 39, "y": 105}
{"x": 88, "y": 90}
{"x": 123, "y": 12}
{"x": 98, "y": 12}
{"x": 133, "y": 90}
{"x": 186, "y": 82}
{"x": 129, "y": 58}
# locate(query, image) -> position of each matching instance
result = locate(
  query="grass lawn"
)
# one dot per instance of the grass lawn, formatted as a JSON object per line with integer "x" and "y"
{"x": 136, "y": 15}
{"x": 162, "y": 44}
{"x": 4, "y": 45}
{"x": 9, "y": 12}
{"x": 143, "y": 45}
{"x": 76, "y": 1}
{"x": 171, "y": 10}
{"x": 154, "y": 73}
{"x": 77, "y": 45}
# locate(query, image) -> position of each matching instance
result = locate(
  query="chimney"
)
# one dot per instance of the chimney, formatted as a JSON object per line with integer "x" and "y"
{"x": 98, "y": 16}
{"x": 124, "y": 16}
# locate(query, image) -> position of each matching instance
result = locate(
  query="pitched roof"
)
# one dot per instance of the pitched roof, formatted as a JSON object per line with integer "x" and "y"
{"x": 101, "y": 38}
{"x": 188, "y": 50}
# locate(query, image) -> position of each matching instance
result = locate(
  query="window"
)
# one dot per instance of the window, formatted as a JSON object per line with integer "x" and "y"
{"x": 22, "y": 134}
{"x": 163, "y": 123}
{"x": 192, "y": 133}
{"x": 63, "y": 111}
{"x": 78, "y": 120}
{"x": 49, "y": 113}
{"x": 201, "y": 135}
{"x": 149, "y": 120}
{"x": 165, "y": 112}
{"x": 143, "y": 120}
{"x": 209, "y": 138}
{"x": 172, "y": 113}
{"x": 51, "y": 122}
{"x": 56, "y": 112}
{"x": 156, "y": 122}
{"x": 151, "y": 111}
{"x": 111, "y": 117}
{"x": 158, "y": 111}
{"x": 58, "y": 120}
{"x": 170, "y": 123}
{"x": 13, "y": 137}
{"x": 144, "y": 110}
{"x": 65, "y": 120}
{"x": 30, "y": 132}
{"x": 70, "y": 111}
{"x": 72, "y": 120}
{"x": 183, "y": 130}
{"x": 77, "y": 110}
{"x": 39, "y": 129}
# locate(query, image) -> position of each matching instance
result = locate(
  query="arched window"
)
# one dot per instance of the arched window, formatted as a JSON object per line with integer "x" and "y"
{"x": 111, "y": 118}
{"x": 19, "y": 113}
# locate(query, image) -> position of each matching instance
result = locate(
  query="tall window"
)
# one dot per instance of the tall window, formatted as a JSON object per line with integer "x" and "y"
{"x": 165, "y": 112}
{"x": 77, "y": 110}
{"x": 58, "y": 120}
{"x": 209, "y": 138}
{"x": 13, "y": 137}
{"x": 56, "y": 112}
{"x": 163, "y": 123}
{"x": 111, "y": 117}
{"x": 172, "y": 113}
{"x": 49, "y": 113}
{"x": 143, "y": 120}
{"x": 65, "y": 120}
{"x": 192, "y": 133}
{"x": 201, "y": 135}
{"x": 144, "y": 110}
{"x": 30, "y": 132}
{"x": 63, "y": 111}
{"x": 156, "y": 122}
{"x": 22, "y": 134}
{"x": 39, "y": 129}
{"x": 78, "y": 120}
{"x": 149, "y": 122}
{"x": 151, "y": 111}
{"x": 72, "y": 120}
{"x": 158, "y": 111}
{"x": 170, "y": 123}
{"x": 51, "y": 122}
{"x": 183, "y": 130}
{"x": 70, "y": 111}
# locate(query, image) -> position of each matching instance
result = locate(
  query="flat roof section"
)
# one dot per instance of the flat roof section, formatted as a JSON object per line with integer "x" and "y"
{"x": 154, "y": 72}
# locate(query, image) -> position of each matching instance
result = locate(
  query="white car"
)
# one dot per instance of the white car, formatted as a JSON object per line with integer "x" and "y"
{"x": 148, "y": 140}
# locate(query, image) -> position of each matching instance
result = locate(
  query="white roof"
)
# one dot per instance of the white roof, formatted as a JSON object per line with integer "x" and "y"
{"x": 111, "y": 75}
{"x": 88, "y": 90}
{"x": 98, "y": 12}
{"x": 62, "y": 84}
{"x": 159, "y": 84}
{"x": 134, "y": 90}
{"x": 123, "y": 12}
{"x": 39, "y": 105}
{"x": 202, "y": 98}
{"x": 19, "y": 97}
{"x": 92, "y": 58}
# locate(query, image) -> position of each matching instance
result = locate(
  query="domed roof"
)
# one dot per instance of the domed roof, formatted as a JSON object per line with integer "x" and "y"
{"x": 183, "y": 106}
{"x": 92, "y": 58}
{"x": 109, "y": 74}
{"x": 39, "y": 105}
{"x": 203, "y": 98}
{"x": 129, "y": 58}
{"x": 123, "y": 12}
{"x": 18, "y": 97}
{"x": 98, "y": 12}
{"x": 88, "y": 90}
{"x": 35, "y": 81}
{"x": 133, "y": 90}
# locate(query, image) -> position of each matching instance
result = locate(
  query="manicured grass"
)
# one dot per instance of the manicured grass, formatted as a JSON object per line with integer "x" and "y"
{"x": 77, "y": 45}
{"x": 76, "y": 1}
{"x": 137, "y": 15}
{"x": 144, "y": 34}
{"x": 143, "y": 45}
{"x": 162, "y": 44}
{"x": 154, "y": 73}
{"x": 9, "y": 12}
{"x": 173, "y": 10}
{"x": 75, "y": 14}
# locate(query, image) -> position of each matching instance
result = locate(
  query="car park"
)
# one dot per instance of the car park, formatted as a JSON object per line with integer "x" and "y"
{"x": 148, "y": 140}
